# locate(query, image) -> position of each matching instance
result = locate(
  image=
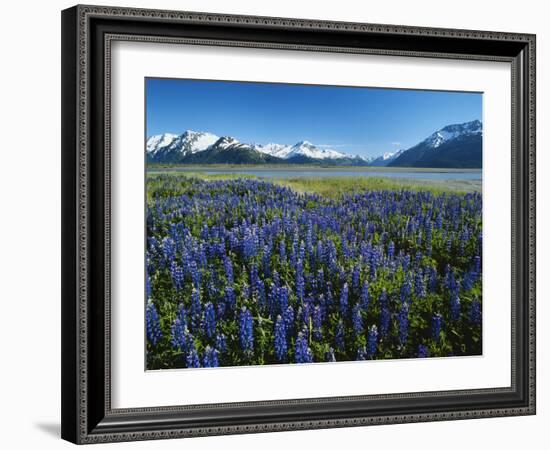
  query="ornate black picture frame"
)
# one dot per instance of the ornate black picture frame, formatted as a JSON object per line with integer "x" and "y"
{"x": 87, "y": 34}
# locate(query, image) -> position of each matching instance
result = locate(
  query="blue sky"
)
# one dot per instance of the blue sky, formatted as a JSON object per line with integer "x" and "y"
{"x": 363, "y": 121}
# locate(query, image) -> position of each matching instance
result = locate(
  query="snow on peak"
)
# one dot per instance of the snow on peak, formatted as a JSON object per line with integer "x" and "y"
{"x": 278, "y": 150}
{"x": 160, "y": 140}
{"x": 197, "y": 141}
{"x": 192, "y": 141}
{"x": 385, "y": 158}
{"x": 306, "y": 148}
{"x": 226, "y": 141}
{"x": 453, "y": 131}
{"x": 188, "y": 142}
{"x": 302, "y": 148}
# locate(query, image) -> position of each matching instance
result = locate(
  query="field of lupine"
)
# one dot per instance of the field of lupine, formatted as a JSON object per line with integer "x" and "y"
{"x": 245, "y": 272}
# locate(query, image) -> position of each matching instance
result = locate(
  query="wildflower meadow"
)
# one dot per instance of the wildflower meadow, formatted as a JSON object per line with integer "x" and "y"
{"x": 241, "y": 271}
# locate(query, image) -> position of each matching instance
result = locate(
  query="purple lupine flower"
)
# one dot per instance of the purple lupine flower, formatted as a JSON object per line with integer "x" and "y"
{"x": 450, "y": 279}
{"x": 339, "y": 336}
{"x": 254, "y": 278}
{"x": 432, "y": 280}
{"x": 302, "y": 353}
{"x": 455, "y": 305}
{"x": 317, "y": 322}
{"x": 385, "y": 315}
{"x": 365, "y": 296}
{"x": 210, "y": 357}
{"x": 418, "y": 259}
{"x": 419, "y": 286}
{"x": 282, "y": 299}
{"x": 437, "y": 322}
{"x": 147, "y": 285}
{"x": 168, "y": 250}
{"x": 302, "y": 254}
{"x": 246, "y": 335}
{"x": 304, "y": 312}
{"x": 181, "y": 314}
{"x": 280, "y": 344}
{"x": 329, "y": 298}
{"x": 221, "y": 310}
{"x": 179, "y": 336}
{"x": 361, "y": 354}
{"x": 355, "y": 279}
{"x": 266, "y": 261}
{"x": 391, "y": 249}
{"x": 422, "y": 351}
{"x": 276, "y": 279}
{"x": 177, "y": 275}
{"x": 405, "y": 291}
{"x": 221, "y": 343}
{"x": 250, "y": 245}
{"x": 209, "y": 319}
{"x": 320, "y": 281}
{"x": 383, "y": 297}
{"x": 152, "y": 322}
{"x": 211, "y": 289}
{"x": 344, "y": 300}
{"x": 320, "y": 251}
{"x": 449, "y": 245}
{"x": 475, "y": 312}
{"x": 193, "y": 359}
{"x": 196, "y": 310}
{"x": 195, "y": 274}
{"x": 428, "y": 232}
{"x": 403, "y": 323}
{"x": 357, "y": 319}
{"x": 372, "y": 342}
{"x": 406, "y": 262}
{"x": 468, "y": 281}
{"x": 273, "y": 300}
{"x": 477, "y": 265}
{"x": 282, "y": 251}
{"x": 288, "y": 318}
{"x": 228, "y": 265}
{"x": 230, "y": 298}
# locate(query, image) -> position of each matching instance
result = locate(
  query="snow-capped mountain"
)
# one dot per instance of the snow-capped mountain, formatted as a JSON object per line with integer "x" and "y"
{"x": 277, "y": 150}
{"x": 454, "y": 146}
{"x": 302, "y": 148}
{"x": 173, "y": 148}
{"x": 160, "y": 141}
{"x": 385, "y": 159}
{"x": 170, "y": 148}
{"x": 306, "y": 148}
{"x": 452, "y": 132}
{"x": 457, "y": 145}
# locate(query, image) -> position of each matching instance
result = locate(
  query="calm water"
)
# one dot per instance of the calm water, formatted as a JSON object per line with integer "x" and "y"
{"x": 285, "y": 173}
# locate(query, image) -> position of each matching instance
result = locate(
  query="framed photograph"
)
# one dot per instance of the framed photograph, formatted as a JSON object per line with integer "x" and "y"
{"x": 280, "y": 224}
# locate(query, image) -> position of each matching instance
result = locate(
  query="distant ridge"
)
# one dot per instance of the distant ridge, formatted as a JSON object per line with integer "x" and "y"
{"x": 453, "y": 146}
{"x": 196, "y": 147}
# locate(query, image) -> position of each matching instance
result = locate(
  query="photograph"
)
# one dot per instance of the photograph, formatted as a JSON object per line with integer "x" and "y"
{"x": 283, "y": 220}
{"x": 296, "y": 223}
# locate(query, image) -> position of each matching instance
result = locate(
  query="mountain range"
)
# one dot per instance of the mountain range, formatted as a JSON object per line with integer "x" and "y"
{"x": 454, "y": 146}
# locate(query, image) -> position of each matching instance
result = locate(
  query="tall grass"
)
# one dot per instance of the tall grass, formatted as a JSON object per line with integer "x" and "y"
{"x": 334, "y": 187}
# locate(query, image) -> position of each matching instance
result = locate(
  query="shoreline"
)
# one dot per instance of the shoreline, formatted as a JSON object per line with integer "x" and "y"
{"x": 338, "y": 185}
{"x": 300, "y": 168}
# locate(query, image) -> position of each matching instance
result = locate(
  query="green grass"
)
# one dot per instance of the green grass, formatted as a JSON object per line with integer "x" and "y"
{"x": 334, "y": 187}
